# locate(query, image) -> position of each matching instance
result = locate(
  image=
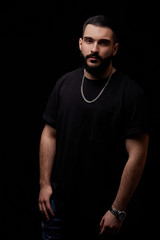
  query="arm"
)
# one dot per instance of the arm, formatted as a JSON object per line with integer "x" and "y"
{"x": 137, "y": 149}
{"x": 46, "y": 160}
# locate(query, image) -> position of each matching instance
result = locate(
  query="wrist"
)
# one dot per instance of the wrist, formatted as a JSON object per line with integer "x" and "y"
{"x": 120, "y": 215}
{"x": 45, "y": 184}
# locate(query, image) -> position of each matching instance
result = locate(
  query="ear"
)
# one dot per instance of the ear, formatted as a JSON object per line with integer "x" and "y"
{"x": 115, "y": 48}
{"x": 80, "y": 43}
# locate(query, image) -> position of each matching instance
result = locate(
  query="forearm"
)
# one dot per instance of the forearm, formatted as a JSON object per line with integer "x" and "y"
{"x": 47, "y": 154}
{"x": 133, "y": 170}
{"x": 129, "y": 181}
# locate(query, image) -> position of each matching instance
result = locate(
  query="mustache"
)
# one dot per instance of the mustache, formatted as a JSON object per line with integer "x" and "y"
{"x": 94, "y": 55}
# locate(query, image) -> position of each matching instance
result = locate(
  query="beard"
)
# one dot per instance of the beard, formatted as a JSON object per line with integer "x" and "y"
{"x": 96, "y": 70}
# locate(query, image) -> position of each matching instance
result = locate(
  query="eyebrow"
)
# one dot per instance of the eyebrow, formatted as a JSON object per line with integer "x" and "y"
{"x": 101, "y": 39}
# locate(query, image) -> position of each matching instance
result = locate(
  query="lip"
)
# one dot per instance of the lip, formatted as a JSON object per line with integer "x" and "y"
{"x": 93, "y": 58}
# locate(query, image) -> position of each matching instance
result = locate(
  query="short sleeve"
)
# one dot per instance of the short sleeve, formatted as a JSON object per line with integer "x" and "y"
{"x": 50, "y": 113}
{"x": 137, "y": 116}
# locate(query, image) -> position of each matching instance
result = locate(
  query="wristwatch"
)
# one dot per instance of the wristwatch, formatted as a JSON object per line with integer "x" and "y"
{"x": 120, "y": 215}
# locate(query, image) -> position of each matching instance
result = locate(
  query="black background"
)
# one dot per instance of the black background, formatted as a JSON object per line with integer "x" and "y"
{"x": 39, "y": 43}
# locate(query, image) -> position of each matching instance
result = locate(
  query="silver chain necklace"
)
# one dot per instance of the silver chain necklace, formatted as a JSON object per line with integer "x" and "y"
{"x": 91, "y": 101}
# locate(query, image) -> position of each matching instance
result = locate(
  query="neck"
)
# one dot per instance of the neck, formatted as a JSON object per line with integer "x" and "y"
{"x": 101, "y": 75}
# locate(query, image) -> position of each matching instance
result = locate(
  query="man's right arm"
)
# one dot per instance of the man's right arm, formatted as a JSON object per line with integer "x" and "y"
{"x": 46, "y": 159}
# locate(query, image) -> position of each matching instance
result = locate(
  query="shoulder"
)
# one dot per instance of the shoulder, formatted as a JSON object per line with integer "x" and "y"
{"x": 71, "y": 75}
{"x": 68, "y": 79}
{"x": 130, "y": 89}
{"x": 65, "y": 80}
{"x": 127, "y": 82}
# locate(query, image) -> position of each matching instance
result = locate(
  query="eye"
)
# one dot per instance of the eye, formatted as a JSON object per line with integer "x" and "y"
{"x": 104, "y": 42}
{"x": 88, "y": 40}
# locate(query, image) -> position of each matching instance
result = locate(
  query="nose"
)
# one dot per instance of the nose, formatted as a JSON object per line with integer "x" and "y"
{"x": 95, "y": 47}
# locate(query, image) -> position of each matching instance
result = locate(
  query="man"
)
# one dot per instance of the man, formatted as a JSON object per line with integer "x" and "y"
{"x": 93, "y": 147}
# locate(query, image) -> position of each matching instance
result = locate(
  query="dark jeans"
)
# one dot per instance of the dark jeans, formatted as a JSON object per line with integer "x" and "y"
{"x": 73, "y": 226}
{"x": 54, "y": 228}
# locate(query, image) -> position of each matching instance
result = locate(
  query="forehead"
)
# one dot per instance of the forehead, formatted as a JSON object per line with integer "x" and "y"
{"x": 97, "y": 32}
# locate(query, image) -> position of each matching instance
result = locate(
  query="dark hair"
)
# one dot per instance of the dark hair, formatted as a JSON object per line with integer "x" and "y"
{"x": 101, "y": 21}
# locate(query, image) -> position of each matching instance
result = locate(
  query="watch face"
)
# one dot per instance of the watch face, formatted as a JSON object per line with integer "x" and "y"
{"x": 121, "y": 215}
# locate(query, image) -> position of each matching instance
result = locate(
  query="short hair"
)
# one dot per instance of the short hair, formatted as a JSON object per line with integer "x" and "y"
{"x": 101, "y": 21}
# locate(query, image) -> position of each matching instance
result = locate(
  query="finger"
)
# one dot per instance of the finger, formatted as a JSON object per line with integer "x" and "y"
{"x": 44, "y": 211}
{"x": 102, "y": 230}
{"x": 40, "y": 206}
{"x": 101, "y": 223}
{"x": 49, "y": 209}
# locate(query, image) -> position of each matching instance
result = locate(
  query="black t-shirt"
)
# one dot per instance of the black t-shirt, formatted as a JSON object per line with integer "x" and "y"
{"x": 90, "y": 150}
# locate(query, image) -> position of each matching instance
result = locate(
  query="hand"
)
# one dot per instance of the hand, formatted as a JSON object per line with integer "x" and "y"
{"x": 44, "y": 201}
{"x": 109, "y": 224}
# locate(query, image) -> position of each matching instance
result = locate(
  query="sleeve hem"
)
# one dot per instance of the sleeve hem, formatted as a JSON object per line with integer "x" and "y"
{"x": 49, "y": 120}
